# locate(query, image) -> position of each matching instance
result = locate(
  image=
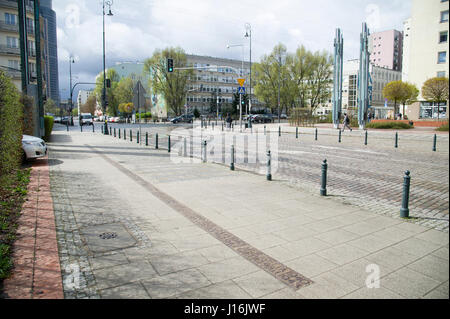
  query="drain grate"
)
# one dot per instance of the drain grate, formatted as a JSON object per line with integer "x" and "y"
{"x": 108, "y": 235}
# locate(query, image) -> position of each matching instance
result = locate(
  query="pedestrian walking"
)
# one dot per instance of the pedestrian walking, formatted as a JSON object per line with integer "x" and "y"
{"x": 229, "y": 121}
{"x": 346, "y": 123}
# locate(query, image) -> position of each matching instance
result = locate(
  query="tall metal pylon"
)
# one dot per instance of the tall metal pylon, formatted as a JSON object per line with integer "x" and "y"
{"x": 363, "y": 77}
{"x": 337, "y": 77}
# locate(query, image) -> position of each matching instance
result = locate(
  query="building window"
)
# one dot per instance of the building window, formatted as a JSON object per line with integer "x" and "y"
{"x": 12, "y": 42}
{"x": 10, "y": 18}
{"x": 13, "y": 64}
{"x": 444, "y": 16}
{"x": 441, "y": 74}
{"x": 442, "y": 57}
{"x": 443, "y": 37}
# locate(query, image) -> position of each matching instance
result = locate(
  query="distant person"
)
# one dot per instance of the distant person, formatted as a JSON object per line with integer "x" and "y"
{"x": 346, "y": 123}
{"x": 229, "y": 120}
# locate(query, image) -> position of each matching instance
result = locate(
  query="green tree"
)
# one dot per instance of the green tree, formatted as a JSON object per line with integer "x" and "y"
{"x": 172, "y": 85}
{"x": 124, "y": 91}
{"x": 50, "y": 107}
{"x": 320, "y": 79}
{"x": 126, "y": 108}
{"x": 436, "y": 90}
{"x": 90, "y": 105}
{"x": 396, "y": 91}
{"x": 113, "y": 104}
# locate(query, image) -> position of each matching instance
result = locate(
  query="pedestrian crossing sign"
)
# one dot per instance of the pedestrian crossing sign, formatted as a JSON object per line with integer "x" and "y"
{"x": 241, "y": 90}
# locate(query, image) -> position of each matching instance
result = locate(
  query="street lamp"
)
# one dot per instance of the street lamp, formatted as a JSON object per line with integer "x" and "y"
{"x": 240, "y": 95}
{"x": 71, "y": 60}
{"x": 109, "y": 4}
{"x": 248, "y": 34}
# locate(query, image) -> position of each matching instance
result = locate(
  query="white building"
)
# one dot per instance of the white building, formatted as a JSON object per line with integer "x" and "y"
{"x": 425, "y": 51}
{"x": 82, "y": 98}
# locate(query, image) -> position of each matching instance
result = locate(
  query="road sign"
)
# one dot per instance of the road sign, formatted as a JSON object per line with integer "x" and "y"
{"x": 241, "y": 90}
{"x": 138, "y": 95}
{"x": 241, "y": 82}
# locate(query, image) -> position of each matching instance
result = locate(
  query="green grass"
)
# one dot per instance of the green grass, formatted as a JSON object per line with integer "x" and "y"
{"x": 389, "y": 125}
{"x": 13, "y": 190}
{"x": 443, "y": 128}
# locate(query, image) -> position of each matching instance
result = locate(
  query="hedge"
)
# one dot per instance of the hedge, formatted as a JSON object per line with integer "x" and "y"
{"x": 11, "y": 115}
{"x": 443, "y": 128}
{"x": 48, "y": 125}
{"x": 389, "y": 125}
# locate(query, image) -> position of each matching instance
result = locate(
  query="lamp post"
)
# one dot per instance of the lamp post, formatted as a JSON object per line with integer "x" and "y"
{"x": 71, "y": 60}
{"x": 248, "y": 34}
{"x": 109, "y": 3}
{"x": 240, "y": 95}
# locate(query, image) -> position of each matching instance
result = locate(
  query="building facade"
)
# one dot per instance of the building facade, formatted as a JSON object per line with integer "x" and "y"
{"x": 425, "y": 52}
{"x": 82, "y": 98}
{"x": 214, "y": 82}
{"x": 379, "y": 77}
{"x": 386, "y": 49}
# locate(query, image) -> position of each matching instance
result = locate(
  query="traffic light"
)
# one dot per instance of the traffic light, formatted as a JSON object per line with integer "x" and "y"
{"x": 169, "y": 65}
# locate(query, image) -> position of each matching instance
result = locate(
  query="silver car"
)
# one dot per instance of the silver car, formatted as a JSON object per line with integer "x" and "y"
{"x": 33, "y": 147}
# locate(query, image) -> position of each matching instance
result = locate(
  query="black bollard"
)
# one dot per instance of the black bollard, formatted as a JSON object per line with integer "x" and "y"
{"x": 316, "y": 134}
{"x": 434, "y": 143}
{"x": 365, "y": 138}
{"x": 124, "y": 134}
{"x": 396, "y": 140}
{"x": 156, "y": 141}
{"x": 232, "y": 158}
{"x": 168, "y": 144}
{"x": 81, "y": 128}
{"x": 296, "y": 132}
{"x": 340, "y": 136}
{"x": 119, "y": 133}
{"x": 137, "y": 137}
{"x": 404, "y": 211}
{"x": 323, "y": 187}
{"x": 279, "y": 130}
{"x": 131, "y": 136}
{"x": 269, "y": 170}
{"x": 146, "y": 138}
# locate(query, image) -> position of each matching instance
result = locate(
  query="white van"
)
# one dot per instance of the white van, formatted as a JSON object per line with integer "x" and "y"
{"x": 86, "y": 118}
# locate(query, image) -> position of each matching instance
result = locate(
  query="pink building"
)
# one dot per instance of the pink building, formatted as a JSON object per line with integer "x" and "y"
{"x": 386, "y": 49}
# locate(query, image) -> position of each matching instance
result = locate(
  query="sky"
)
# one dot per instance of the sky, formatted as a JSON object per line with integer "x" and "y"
{"x": 206, "y": 27}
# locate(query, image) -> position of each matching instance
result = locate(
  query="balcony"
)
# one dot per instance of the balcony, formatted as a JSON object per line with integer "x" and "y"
{"x": 6, "y": 50}
{"x": 14, "y": 28}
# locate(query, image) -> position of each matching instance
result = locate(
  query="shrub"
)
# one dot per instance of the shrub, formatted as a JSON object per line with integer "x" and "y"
{"x": 11, "y": 115}
{"x": 389, "y": 125}
{"x": 48, "y": 125}
{"x": 28, "y": 123}
{"x": 443, "y": 128}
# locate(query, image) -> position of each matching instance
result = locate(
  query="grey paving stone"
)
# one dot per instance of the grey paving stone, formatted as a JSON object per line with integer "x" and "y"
{"x": 327, "y": 286}
{"x": 342, "y": 254}
{"x": 127, "y": 291}
{"x": 100, "y": 262}
{"x": 371, "y": 243}
{"x": 433, "y": 267}
{"x": 222, "y": 290}
{"x": 417, "y": 247}
{"x": 259, "y": 283}
{"x": 409, "y": 283}
{"x": 373, "y": 293}
{"x": 311, "y": 265}
{"x": 227, "y": 269}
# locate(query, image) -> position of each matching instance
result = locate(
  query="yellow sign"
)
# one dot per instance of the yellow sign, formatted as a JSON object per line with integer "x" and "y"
{"x": 241, "y": 82}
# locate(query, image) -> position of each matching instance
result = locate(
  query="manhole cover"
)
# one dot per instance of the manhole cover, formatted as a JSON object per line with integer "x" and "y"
{"x": 108, "y": 235}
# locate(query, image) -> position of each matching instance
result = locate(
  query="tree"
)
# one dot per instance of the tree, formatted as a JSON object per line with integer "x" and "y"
{"x": 435, "y": 90}
{"x": 172, "y": 85}
{"x": 124, "y": 91}
{"x": 396, "y": 91}
{"x": 90, "y": 105}
{"x": 50, "y": 107}
{"x": 320, "y": 79}
{"x": 113, "y": 104}
{"x": 126, "y": 108}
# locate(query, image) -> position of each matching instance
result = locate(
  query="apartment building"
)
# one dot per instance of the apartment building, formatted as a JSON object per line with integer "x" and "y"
{"x": 10, "y": 45}
{"x": 425, "y": 52}
{"x": 214, "y": 83}
{"x": 386, "y": 49}
{"x": 82, "y": 98}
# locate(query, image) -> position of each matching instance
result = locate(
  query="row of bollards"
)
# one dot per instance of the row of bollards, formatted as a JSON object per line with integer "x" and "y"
{"x": 404, "y": 210}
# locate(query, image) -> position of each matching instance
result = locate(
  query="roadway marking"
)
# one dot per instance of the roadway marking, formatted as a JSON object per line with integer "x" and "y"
{"x": 272, "y": 266}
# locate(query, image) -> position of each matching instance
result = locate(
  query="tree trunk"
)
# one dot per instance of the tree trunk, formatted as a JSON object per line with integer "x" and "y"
{"x": 438, "y": 109}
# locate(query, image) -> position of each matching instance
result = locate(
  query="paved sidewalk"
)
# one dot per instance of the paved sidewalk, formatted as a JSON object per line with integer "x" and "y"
{"x": 36, "y": 273}
{"x": 133, "y": 224}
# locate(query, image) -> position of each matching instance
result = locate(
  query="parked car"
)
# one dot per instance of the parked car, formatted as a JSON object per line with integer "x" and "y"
{"x": 57, "y": 119}
{"x": 65, "y": 120}
{"x": 33, "y": 147}
{"x": 86, "y": 119}
{"x": 267, "y": 118}
{"x": 183, "y": 119}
